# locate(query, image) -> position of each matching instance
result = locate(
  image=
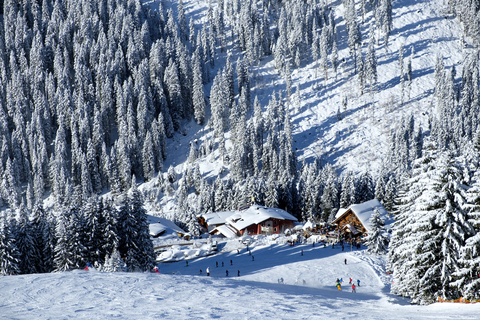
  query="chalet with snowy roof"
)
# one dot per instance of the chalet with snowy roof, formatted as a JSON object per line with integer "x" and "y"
{"x": 354, "y": 222}
{"x": 164, "y": 227}
{"x": 249, "y": 220}
{"x": 213, "y": 220}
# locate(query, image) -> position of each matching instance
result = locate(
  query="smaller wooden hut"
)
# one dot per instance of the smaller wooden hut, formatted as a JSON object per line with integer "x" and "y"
{"x": 354, "y": 222}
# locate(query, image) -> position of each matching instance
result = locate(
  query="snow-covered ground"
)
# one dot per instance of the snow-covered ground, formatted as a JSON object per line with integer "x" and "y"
{"x": 181, "y": 292}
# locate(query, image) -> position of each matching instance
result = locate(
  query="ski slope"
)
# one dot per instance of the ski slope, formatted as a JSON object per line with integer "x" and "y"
{"x": 180, "y": 292}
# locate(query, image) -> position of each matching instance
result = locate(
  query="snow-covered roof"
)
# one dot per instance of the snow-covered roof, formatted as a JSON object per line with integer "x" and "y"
{"x": 308, "y": 225}
{"x": 257, "y": 214}
{"x": 226, "y": 231}
{"x": 216, "y": 218}
{"x": 157, "y": 226}
{"x": 364, "y": 212}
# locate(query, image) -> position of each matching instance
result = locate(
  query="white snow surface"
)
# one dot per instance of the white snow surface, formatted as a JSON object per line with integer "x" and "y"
{"x": 180, "y": 292}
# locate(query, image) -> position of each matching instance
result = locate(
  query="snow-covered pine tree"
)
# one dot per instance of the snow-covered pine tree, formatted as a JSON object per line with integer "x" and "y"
{"x": 329, "y": 198}
{"x": 376, "y": 240}
{"x": 63, "y": 260}
{"x": 467, "y": 279}
{"x": 148, "y": 158}
{"x": 198, "y": 98}
{"x": 430, "y": 231}
{"x": 26, "y": 242}
{"x": 142, "y": 243}
{"x": 113, "y": 262}
{"x": 44, "y": 238}
{"x": 9, "y": 254}
{"x": 218, "y": 104}
{"x": 109, "y": 229}
{"x": 174, "y": 93}
{"x": 365, "y": 188}
{"x": 353, "y": 30}
{"x": 347, "y": 195}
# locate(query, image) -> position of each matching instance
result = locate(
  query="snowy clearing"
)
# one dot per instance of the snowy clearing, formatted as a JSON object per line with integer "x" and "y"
{"x": 180, "y": 292}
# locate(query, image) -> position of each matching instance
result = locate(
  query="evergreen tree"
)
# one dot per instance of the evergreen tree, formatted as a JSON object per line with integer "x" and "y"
{"x": 376, "y": 240}
{"x": 347, "y": 196}
{"x": 9, "y": 254}
{"x": 365, "y": 189}
{"x": 26, "y": 243}
{"x": 430, "y": 231}
{"x": 198, "y": 94}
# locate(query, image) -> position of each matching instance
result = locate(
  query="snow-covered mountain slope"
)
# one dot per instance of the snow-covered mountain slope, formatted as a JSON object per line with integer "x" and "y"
{"x": 358, "y": 142}
{"x": 256, "y": 294}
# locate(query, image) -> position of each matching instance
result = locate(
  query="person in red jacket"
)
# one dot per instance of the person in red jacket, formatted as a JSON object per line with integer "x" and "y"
{"x": 353, "y": 288}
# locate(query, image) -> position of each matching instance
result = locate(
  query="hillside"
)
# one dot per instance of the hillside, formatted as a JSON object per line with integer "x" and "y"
{"x": 359, "y": 141}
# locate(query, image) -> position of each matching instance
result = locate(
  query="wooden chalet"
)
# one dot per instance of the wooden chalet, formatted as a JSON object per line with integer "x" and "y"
{"x": 354, "y": 222}
{"x": 248, "y": 220}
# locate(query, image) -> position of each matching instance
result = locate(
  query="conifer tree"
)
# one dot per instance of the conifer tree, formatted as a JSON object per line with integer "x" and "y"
{"x": 198, "y": 98}
{"x": 9, "y": 254}
{"x": 376, "y": 240}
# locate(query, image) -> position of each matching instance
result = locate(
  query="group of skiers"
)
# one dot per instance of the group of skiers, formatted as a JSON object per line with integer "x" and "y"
{"x": 340, "y": 281}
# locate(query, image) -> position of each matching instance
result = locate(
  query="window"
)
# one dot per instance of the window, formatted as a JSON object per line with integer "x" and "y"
{"x": 275, "y": 229}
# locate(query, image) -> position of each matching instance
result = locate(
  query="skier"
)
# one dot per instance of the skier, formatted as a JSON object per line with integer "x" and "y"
{"x": 208, "y": 271}
{"x": 187, "y": 263}
{"x": 226, "y": 273}
{"x": 358, "y": 283}
{"x": 231, "y": 262}
{"x": 222, "y": 263}
{"x": 253, "y": 258}
{"x": 200, "y": 271}
{"x": 238, "y": 273}
{"x": 343, "y": 247}
{"x": 339, "y": 285}
{"x": 216, "y": 263}
{"x": 302, "y": 253}
{"x": 353, "y": 288}
{"x": 350, "y": 281}
{"x": 345, "y": 261}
